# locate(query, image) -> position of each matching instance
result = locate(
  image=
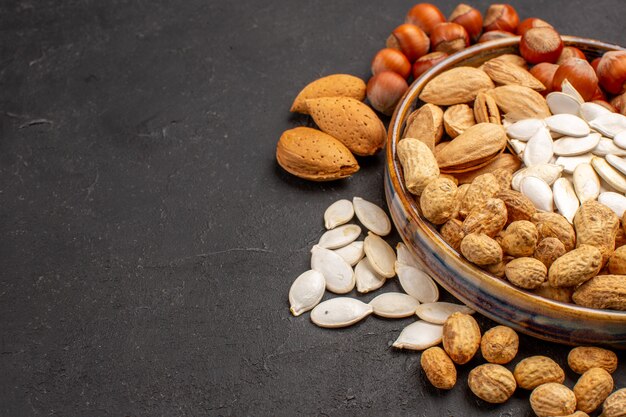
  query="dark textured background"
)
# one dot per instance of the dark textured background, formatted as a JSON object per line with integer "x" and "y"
{"x": 148, "y": 238}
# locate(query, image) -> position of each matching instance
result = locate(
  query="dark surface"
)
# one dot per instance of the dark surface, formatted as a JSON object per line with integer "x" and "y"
{"x": 148, "y": 237}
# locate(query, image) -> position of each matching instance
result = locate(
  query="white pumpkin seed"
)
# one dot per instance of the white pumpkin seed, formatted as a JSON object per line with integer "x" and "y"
{"x": 568, "y": 124}
{"x": 518, "y": 146}
{"x": 607, "y": 146}
{"x": 338, "y": 213}
{"x": 586, "y": 182}
{"x": 381, "y": 256}
{"x": 419, "y": 336}
{"x": 570, "y": 146}
{"x": 539, "y": 148}
{"x": 614, "y": 201}
{"x": 609, "y": 174}
{"x": 547, "y": 172}
{"x": 340, "y": 236}
{"x": 338, "y": 273}
{"x": 620, "y": 139}
{"x": 617, "y": 163}
{"x": 405, "y": 256}
{"x": 539, "y": 192}
{"x": 367, "y": 279}
{"x": 565, "y": 198}
{"x": 352, "y": 253}
{"x": 306, "y": 292}
{"x": 568, "y": 88}
{"x": 340, "y": 312}
{"x": 524, "y": 129}
{"x": 417, "y": 283}
{"x": 569, "y": 163}
{"x": 371, "y": 216}
{"x": 561, "y": 103}
{"x": 394, "y": 305}
{"x": 590, "y": 111}
{"x": 438, "y": 313}
{"x": 609, "y": 124}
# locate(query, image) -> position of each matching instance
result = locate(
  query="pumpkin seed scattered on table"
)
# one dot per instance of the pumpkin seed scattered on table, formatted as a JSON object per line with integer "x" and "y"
{"x": 306, "y": 292}
{"x": 394, "y": 305}
{"x": 419, "y": 336}
{"x": 367, "y": 279}
{"x": 371, "y": 216}
{"x": 338, "y": 273}
{"x": 352, "y": 253}
{"x": 417, "y": 283}
{"x": 338, "y": 213}
{"x": 340, "y": 236}
{"x": 438, "y": 312}
{"x": 340, "y": 312}
{"x": 381, "y": 256}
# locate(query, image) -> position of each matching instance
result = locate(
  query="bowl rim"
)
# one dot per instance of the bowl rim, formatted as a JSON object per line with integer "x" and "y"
{"x": 432, "y": 237}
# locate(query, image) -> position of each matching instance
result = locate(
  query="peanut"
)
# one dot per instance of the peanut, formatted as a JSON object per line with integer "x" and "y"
{"x": 549, "y": 250}
{"x": 582, "y": 358}
{"x": 438, "y": 200}
{"x": 438, "y": 367}
{"x": 520, "y": 238}
{"x": 602, "y": 291}
{"x": 575, "y": 267}
{"x": 536, "y": 370}
{"x": 492, "y": 383}
{"x": 596, "y": 225}
{"x": 592, "y": 389}
{"x": 617, "y": 261}
{"x": 488, "y": 218}
{"x": 552, "y": 399}
{"x": 527, "y": 273}
{"x": 452, "y": 232}
{"x": 461, "y": 337}
{"x": 615, "y": 404}
{"x": 480, "y": 249}
{"x": 418, "y": 164}
{"x": 499, "y": 345}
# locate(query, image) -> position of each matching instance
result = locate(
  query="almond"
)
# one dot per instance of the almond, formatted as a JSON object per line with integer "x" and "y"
{"x": 351, "y": 122}
{"x": 456, "y": 86}
{"x": 313, "y": 155}
{"x": 502, "y": 161}
{"x": 477, "y": 145}
{"x": 520, "y": 102}
{"x": 503, "y": 72}
{"x": 425, "y": 124}
{"x": 486, "y": 109}
{"x": 457, "y": 119}
{"x": 336, "y": 85}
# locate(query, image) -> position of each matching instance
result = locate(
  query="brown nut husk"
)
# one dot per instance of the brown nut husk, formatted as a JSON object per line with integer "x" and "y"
{"x": 583, "y": 358}
{"x": 499, "y": 345}
{"x": 617, "y": 261}
{"x": 486, "y": 109}
{"x": 335, "y": 85}
{"x": 425, "y": 124}
{"x": 596, "y": 225}
{"x": 552, "y": 399}
{"x": 492, "y": 383}
{"x": 452, "y": 232}
{"x": 575, "y": 267}
{"x": 480, "y": 249}
{"x": 520, "y": 238}
{"x": 502, "y": 161}
{"x": 555, "y": 225}
{"x": 522, "y": 102}
{"x": 537, "y": 370}
{"x": 439, "y": 368}
{"x": 479, "y": 191}
{"x": 615, "y": 404}
{"x": 518, "y": 206}
{"x": 457, "y": 119}
{"x": 350, "y": 121}
{"x": 503, "y": 72}
{"x": 527, "y": 273}
{"x": 592, "y": 388}
{"x": 313, "y": 155}
{"x": 456, "y": 86}
{"x": 475, "y": 147}
{"x": 438, "y": 200}
{"x": 602, "y": 291}
{"x": 418, "y": 164}
{"x": 488, "y": 219}
{"x": 549, "y": 250}
{"x": 461, "y": 337}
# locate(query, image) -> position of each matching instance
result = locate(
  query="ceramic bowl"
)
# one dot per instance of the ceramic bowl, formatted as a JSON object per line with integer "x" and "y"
{"x": 493, "y": 297}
